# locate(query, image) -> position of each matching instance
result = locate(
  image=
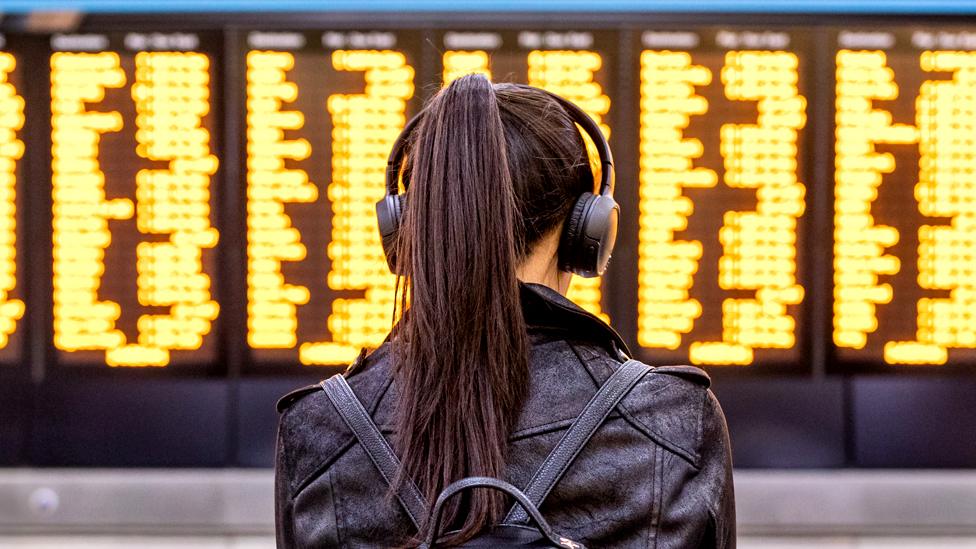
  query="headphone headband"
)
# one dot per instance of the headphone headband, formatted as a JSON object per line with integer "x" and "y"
{"x": 577, "y": 114}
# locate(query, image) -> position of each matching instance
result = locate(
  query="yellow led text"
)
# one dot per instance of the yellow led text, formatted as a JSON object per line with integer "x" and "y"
{"x": 365, "y": 125}
{"x": 172, "y": 95}
{"x": 11, "y": 150}
{"x": 760, "y": 246}
{"x": 272, "y": 321}
{"x": 81, "y": 211}
{"x": 859, "y": 244}
{"x": 946, "y": 117}
{"x": 666, "y": 267}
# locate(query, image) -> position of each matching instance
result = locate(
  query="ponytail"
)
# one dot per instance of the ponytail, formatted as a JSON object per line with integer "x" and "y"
{"x": 461, "y": 350}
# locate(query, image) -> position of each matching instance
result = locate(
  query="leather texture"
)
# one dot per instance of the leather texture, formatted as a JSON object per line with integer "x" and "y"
{"x": 656, "y": 473}
{"x": 376, "y": 447}
{"x": 579, "y": 433}
{"x": 526, "y": 506}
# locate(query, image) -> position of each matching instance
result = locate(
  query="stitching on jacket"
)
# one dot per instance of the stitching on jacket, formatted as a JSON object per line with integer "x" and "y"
{"x": 701, "y": 421}
{"x": 711, "y": 504}
{"x": 336, "y": 501}
{"x": 330, "y": 459}
{"x": 554, "y": 465}
{"x": 326, "y": 464}
{"x": 522, "y": 434}
{"x": 544, "y": 426}
{"x": 286, "y": 530}
{"x": 691, "y": 456}
{"x": 375, "y": 405}
{"x": 528, "y": 432}
{"x": 335, "y": 507}
{"x": 550, "y": 427}
{"x": 585, "y": 362}
{"x": 657, "y": 498}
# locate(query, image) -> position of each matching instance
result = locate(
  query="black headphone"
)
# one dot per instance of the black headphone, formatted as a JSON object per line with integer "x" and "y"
{"x": 589, "y": 234}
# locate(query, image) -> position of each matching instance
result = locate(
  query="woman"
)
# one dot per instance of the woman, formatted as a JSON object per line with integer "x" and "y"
{"x": 490, "y": 363}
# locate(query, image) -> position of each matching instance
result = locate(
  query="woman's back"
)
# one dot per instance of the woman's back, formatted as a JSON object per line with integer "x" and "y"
{"x": 657, "y": 473}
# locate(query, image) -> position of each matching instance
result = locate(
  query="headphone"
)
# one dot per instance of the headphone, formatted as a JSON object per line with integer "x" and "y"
{"x": 590, "y": 231}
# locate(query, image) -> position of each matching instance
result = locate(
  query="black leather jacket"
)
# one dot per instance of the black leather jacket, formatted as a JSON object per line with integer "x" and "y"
{"x": 658, "y": 472}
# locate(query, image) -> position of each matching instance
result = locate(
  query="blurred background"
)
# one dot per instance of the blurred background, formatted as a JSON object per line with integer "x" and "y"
{"x": 187, "y": 233}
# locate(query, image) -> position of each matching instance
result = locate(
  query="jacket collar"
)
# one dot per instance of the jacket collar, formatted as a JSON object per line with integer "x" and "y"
{"x": 546, "y": 308}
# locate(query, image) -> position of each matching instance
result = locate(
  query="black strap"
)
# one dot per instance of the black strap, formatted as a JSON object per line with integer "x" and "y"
{"x": 578, "y": 434}
{"x": 376, "y": 447}
{"x": 487, "y": 482}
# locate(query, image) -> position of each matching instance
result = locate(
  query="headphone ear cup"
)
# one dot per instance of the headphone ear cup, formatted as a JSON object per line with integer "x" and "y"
{"x": 389, "y": 214}
{"x": 590, "y": 235}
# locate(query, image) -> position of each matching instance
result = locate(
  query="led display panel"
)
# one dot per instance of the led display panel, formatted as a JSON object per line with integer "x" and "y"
{"x": 722, "y": 195}
{"x": 322, "y": 111}
{"x": 11, "y": 159}
{"x": 714, "y": 122}
{"x": 904, "y": 221}
{"x": 133, "y": 169}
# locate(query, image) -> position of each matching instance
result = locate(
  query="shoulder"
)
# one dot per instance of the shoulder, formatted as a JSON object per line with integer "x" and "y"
{"x": 365, "y": 375}
{"x": 674, "y": 406}
{"x": 311, "y": 434}
{"x": 671, "y": 405}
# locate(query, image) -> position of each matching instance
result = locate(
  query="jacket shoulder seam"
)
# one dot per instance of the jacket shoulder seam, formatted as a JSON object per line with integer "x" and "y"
{"x": 323, "y": 467}
{"x": 584, "y": 363}
{"x": 664, "y": 441}
{"x": 689, "y": 374}
{"x": 350, "y": 440}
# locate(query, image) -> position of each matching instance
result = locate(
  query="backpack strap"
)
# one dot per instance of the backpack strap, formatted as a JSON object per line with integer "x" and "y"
{"x": 578, "y": 434}
{"x": 376, "y": 447}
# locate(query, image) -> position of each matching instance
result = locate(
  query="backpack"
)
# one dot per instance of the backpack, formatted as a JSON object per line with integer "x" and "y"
{"x": 524, "y": 525}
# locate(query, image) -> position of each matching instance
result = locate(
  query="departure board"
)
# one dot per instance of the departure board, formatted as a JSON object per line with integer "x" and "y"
{"x": 722, "y": 195}
{"x": 187, "y": 218}
{"x": 789, "y": 190}
{"x": 11, "y": 153}
{"x": 133, "y": 166}
{"x": 573, "y": 64}
{"x": 323, "y": 110}
{"x": 905, "y": 196}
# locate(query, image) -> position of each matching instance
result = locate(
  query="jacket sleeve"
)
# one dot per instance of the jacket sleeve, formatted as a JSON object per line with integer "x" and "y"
{"x": 284, "y": 506}
{"x": 698, "y": 507}
{"x": 715, "y": 477}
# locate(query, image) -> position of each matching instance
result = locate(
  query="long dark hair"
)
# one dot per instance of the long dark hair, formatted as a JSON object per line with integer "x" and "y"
{"x": 492, "y": 169}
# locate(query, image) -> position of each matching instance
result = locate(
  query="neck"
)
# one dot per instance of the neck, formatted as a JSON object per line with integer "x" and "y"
{"x": 541, "y": 266}
{"x": 539, "y": 276}
{"x": 545, "y": 272}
